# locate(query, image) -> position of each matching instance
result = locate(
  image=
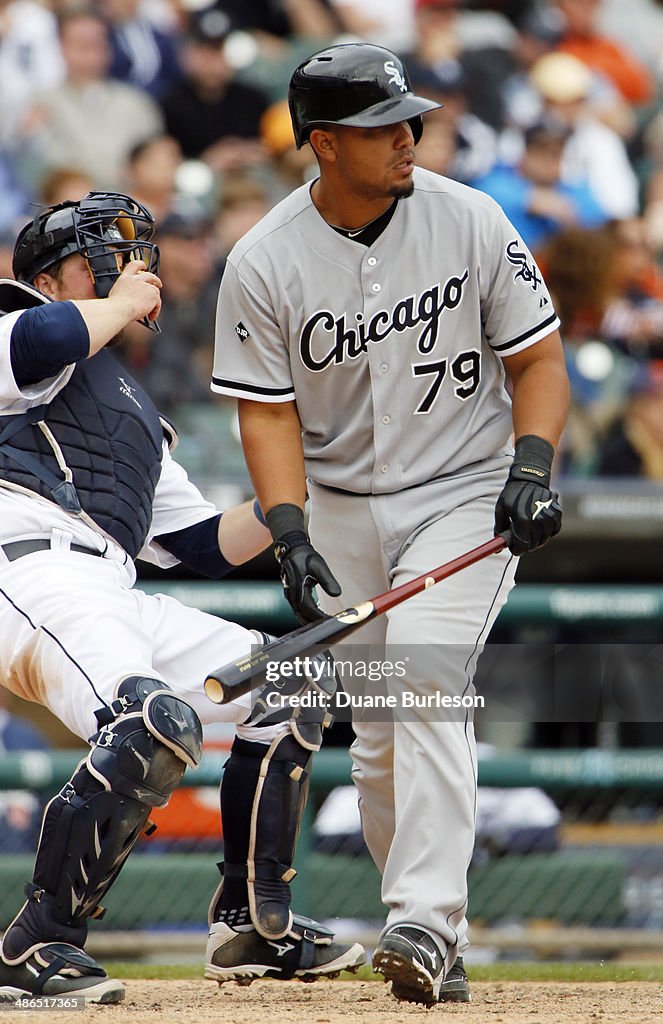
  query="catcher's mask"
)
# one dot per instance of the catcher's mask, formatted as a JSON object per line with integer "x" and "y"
{"x": 108, "y": 229}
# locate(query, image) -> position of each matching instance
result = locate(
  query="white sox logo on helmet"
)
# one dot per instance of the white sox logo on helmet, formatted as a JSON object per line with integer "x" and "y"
{"x": 395, "y": 77}
{"x": 351, "y": 342}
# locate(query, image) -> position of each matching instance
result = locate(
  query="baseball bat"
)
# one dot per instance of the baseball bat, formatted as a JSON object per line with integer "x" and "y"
{"x": 238, "y": 677}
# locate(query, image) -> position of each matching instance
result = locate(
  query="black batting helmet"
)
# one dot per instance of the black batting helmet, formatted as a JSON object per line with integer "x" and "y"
{"x": 106, "y": 228}
{"x": 356, "y": 84}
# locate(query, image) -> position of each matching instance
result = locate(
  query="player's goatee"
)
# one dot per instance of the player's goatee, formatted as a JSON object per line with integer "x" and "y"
{"x": 402, "y": 191}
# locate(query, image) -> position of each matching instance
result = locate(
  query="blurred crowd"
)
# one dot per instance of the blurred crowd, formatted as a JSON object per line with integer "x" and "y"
{"x": 553, "y": 107}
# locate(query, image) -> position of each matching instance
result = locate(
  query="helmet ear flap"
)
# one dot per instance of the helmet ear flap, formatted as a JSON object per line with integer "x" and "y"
{"x": 417, "y": 126}
{"x": 46, "y": 239}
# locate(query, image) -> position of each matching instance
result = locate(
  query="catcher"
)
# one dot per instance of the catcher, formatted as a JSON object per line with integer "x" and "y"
{"x": 87, "y": 485}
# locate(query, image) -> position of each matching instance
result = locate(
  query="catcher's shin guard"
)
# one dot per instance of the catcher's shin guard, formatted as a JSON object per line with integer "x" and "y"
{"x": 147, "y": 738}
{"x": 263, "y": 795}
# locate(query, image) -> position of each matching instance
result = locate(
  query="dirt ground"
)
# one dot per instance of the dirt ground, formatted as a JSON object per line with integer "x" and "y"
{"x": 334, "y": 1002}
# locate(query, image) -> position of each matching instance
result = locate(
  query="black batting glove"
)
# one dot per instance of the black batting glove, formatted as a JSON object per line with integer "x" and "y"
{"x": 527, "y": 507}
{"x": 302, "y": 567}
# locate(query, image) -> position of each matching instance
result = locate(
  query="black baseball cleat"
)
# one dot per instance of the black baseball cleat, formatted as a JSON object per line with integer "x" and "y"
{"x": 307, "y": 952}
{"x": 56, "y": 969}
{"x": 410, "y": 959}
{"x": 455, "y": 988}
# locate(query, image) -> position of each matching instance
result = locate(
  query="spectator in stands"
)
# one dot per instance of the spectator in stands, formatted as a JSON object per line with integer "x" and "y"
{"x": 594, "y": 153}
{"x": 577, "y": 264}
{"x": 511, "y": 9}
{"x": 474, "y": 144}
{"x": 588, "y": 278}
{"x": 641, "y": 23}
{"x": 633, "y": 317}
{"x": 13, "y": 196}
{"x": 439, "y": 150}
{"x": 271, "y": 22}
{"x": 287, "y": 167}
{"x": 143, "y": 54}
{"x": 190, "y": 279}
{"x": 176, "y": 364}
{"x": 633, "y": 446}
{"x": 212, "y": 115}
{"x": 151, "y": 174}
{"x": 30, "y": 61}
{"x": 651, "y": 174}
{"x": 273, "y": 36}
{"x": 583, "y": 38}
{"x": 387, "y": 23}
{"x": 90, "y": 117}
{"x": 64, "y": 184}
{"x": 480, "y": 41}
{"x": 244, "y": 201}
{"x": 540, "y": 29}
{"x": 606, "y": 285}
{"x": 538, "y": 32}
{"x": 532, "y": 195}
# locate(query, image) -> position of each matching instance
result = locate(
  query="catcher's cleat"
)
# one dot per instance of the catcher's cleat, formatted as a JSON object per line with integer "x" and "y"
{"x": 410, "y": 959}
{"x": 56, "y": 969}
{"x": 307, "y": 952}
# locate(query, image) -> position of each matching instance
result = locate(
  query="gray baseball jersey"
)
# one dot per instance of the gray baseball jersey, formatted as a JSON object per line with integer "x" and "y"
{"x": 372, "y": 338}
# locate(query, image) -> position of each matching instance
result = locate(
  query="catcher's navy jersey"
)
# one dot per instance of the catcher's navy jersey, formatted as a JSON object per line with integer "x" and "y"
{"x": 177, "y": 501}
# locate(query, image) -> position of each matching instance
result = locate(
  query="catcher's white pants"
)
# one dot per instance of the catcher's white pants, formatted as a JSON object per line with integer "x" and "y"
{"x": 417, "y": 776}
{"x": 72, "y": 627}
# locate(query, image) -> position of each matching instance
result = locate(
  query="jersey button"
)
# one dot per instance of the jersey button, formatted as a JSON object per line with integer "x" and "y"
{"x": 376, "y": 287}
{"x": 384, "y": 367}
{"x": 386, "y": 419}
{"x": 371, "y": 261}
{"x": 385, "y": 468}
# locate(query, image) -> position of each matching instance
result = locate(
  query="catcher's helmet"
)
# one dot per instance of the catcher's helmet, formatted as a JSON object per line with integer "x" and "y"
{"x": 106, "y": 228}
{"x": 355, "y": 84}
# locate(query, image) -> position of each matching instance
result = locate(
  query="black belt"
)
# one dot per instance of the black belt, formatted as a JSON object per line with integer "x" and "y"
{"x": 18, "y": 548}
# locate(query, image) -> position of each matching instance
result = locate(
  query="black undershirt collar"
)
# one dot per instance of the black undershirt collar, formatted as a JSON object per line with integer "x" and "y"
{"x": 371, "y": 231}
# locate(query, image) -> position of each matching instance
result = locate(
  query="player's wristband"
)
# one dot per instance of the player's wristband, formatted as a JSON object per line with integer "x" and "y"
{"x": 532, "y": 460}
{"x": 286, "y": 525}
{"x": 285, "y": 518}
{"x": 258, "y": 513}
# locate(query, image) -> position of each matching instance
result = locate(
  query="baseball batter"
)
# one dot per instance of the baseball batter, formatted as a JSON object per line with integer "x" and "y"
{"x": 373, "y": 327}
{"x": 88, "y": 484}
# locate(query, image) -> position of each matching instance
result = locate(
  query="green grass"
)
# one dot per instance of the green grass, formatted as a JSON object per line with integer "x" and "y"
{"x": 602, "y": 970}
{"x": 508, "y": 971}
{"x": 130, "y": 970}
